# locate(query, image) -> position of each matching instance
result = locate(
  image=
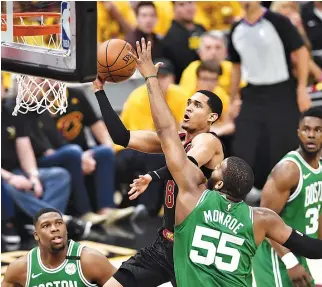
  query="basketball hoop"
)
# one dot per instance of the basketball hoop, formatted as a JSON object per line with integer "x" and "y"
{"x": 36, "y": 94}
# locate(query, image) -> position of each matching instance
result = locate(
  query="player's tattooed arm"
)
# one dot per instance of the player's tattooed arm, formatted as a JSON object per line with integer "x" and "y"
{"x": 96, "y": 267}
{"x": 16, "y": 274}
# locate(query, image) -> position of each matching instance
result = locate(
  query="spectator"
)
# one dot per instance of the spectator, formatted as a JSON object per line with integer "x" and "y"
{"x": 31, "y": 188}
{"x": 218, "y": 15}
{"x": 165, "y": 16}
{"x": 291, "y": 10}
{"x": 146, "y": 18}
{"x": 8, "y": 231}
{"x": 6, "y": 79}
{"x": 262, "y": 43}
{"x": 212, "y": 15}
{"x": 183, "y": 38}
{"x": 212, "y": 47}
{"x": 52, "y": 150}
{"x": 131, "y": 163}
{"x": 114, "y": 20}
{"x": 312, "y": 20}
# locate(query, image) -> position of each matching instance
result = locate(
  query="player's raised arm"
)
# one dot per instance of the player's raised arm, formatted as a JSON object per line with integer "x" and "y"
{"x": 268, "y": 224}
{"x": 145, "y": 141}
{"x": 186, "y": 174}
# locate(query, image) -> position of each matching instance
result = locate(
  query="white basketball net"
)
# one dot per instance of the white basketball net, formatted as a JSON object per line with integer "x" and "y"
{"x": 35, "y": 94}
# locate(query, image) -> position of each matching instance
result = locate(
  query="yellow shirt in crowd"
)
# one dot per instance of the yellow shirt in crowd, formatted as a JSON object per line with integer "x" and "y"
{"x": 188, "y": 79}
{"x": 211, "y": 15}
{"x": 7, "y": 79}
{"x": 165, "y": 16}
{"x": 107, "y": 27}
{"x": 217, "y": 15}
{"x": 136, "y": 113}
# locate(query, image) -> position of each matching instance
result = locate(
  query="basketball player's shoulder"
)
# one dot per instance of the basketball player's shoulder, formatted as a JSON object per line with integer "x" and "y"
{"x": 89, "y": 255}
{"x": 209, "y": 139}
{"x": 17, "y": 271}
{"x": 93, "y": 258}
{"x": 286, "y": 170}
{"x": 263, "y": 216}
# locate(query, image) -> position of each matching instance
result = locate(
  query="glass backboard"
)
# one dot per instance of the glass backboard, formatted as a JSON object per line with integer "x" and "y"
{"x": 51, "y": 39}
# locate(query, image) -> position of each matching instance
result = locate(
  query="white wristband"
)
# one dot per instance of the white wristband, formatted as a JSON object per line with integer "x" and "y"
{"x": 289, "y": 260}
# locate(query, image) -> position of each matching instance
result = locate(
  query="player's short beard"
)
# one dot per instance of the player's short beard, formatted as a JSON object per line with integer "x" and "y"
{"x": 211, "y": 184}
{"x": 309, "y": 153}
{"x": 57, "y": 249}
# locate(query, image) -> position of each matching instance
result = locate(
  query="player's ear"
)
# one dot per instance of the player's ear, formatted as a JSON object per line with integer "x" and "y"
{"x": 36, "y": 236}
{"x": 213, "y": 117}
{"x": 219, "y": 185}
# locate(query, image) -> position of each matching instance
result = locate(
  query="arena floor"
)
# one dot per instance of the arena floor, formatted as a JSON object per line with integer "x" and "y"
{"x": 120, "y": 242}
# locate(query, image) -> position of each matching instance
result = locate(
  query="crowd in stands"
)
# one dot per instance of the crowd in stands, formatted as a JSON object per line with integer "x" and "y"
{"x": 258, "y": 60}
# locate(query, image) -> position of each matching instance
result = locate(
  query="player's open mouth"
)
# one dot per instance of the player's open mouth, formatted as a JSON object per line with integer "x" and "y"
{"x": 311, "y": 145}
{"x": 57, "y": 239}
{"x": 186, "y": 118}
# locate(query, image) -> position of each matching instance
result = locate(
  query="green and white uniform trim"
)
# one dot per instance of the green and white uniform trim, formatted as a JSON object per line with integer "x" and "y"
{"x": 301, "y": 211}
{"x": 67, "y": 274}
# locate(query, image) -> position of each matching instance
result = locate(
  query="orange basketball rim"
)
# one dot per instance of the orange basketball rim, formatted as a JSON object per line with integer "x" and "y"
{"x": 22, "y": 29}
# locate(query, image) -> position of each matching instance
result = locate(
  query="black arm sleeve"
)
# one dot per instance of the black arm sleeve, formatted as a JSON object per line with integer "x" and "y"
{"x": 119, "y": 134}
{"x": 164, "y": 174}
{"x": 302, "y": 245}
{"x": 161, "y": 174}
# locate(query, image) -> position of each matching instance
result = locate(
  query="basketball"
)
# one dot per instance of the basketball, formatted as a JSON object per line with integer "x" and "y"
{"x": 114, "y": 63}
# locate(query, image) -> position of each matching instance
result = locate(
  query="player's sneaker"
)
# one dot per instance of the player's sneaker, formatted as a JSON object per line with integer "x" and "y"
{"x": 93, "y": 218}
{"x": 113, "y": 215}
{"x": 78, "y": 228}
{"x": 140, "y": 212}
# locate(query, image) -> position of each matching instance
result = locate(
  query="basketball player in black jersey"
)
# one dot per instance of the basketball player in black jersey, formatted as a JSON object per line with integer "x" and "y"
{"x": 153, "y": 265}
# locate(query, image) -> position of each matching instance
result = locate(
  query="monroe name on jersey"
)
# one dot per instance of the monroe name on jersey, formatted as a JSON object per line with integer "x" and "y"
{"x": 224, "y": 219}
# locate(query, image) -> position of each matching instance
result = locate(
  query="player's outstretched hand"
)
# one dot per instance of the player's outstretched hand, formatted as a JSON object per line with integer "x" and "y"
{"x": 98, "y": 85}
{"x": 143, "y": 59}
{"x": 139, "y": 185}
{"x": 299, "y": 276}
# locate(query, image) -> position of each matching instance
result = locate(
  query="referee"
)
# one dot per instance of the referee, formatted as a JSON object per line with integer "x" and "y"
{"x": 265, "y": 46}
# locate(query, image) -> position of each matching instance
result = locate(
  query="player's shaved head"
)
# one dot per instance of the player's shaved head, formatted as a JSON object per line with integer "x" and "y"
{"x": 310, "y": 131}
{"x": 233, "y": 177}
{"x": 44, "y": 211}
{"x": 315, "y": 112}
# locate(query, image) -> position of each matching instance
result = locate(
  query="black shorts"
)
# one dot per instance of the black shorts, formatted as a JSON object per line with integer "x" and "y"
{"x": 151, "y": 266}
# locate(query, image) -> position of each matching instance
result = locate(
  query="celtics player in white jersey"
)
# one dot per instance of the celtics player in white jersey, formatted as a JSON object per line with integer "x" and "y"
{"x": 294, "y": 190}
{"x": 57, "y": 261}
{"x": 216, "y": 233}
